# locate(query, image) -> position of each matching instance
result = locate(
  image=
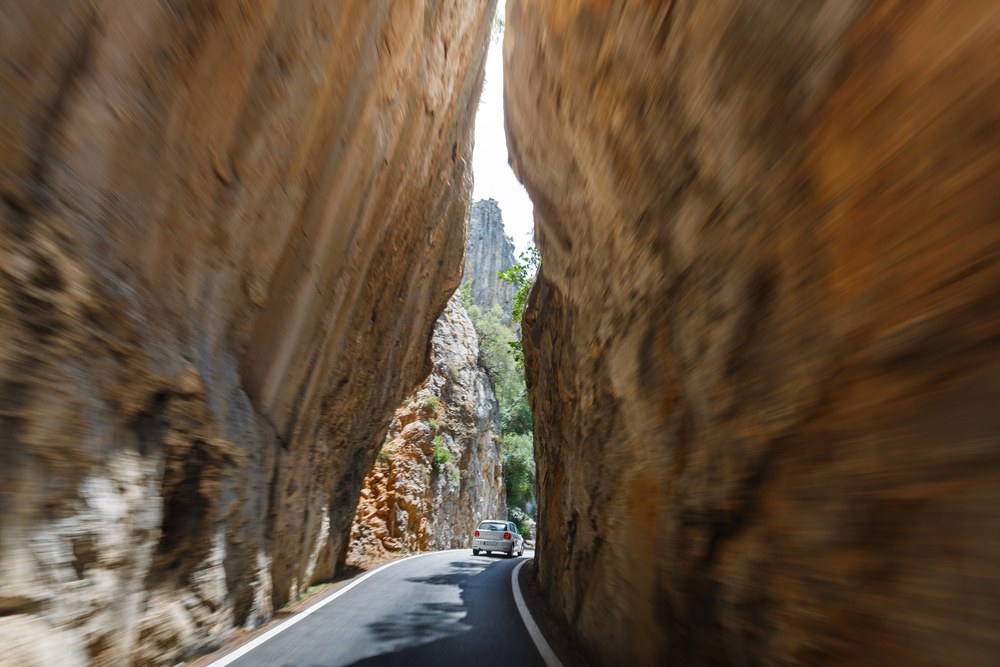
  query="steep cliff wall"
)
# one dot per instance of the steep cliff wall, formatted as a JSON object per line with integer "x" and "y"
{"x": 226, "y": 232}
{"x": 764, "y": 348}
{"x": 439, "y": 471}
{"x": 488, "y": 251}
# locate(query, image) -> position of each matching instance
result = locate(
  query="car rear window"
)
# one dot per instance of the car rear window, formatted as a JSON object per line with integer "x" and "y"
{"x": 492, "y": 525}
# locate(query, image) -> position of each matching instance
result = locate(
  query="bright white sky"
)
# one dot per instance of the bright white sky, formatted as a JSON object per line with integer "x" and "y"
{"x": 494, "y": 179}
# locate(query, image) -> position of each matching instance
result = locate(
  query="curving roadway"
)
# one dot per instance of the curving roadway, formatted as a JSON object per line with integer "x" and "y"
{"x": 441, "y": 608}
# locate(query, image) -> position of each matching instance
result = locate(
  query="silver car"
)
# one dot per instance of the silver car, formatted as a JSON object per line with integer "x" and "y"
{"x": 494, "y": 535}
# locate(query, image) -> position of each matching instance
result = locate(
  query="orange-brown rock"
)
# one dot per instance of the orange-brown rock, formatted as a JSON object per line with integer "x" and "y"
{"x": 226, "y": 231}
{"x": 764, "y": 347}
{"x": 439, "y": 472}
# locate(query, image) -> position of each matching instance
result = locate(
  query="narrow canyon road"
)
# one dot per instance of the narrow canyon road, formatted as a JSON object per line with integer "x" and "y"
{"x": 442, "y": 608}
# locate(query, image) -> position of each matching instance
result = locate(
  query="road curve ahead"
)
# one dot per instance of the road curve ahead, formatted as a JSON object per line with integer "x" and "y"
{"x": 442, "y": 608}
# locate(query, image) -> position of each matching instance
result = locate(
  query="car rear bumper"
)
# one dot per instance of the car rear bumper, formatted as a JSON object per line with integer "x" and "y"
{"x": 492, "y": 545}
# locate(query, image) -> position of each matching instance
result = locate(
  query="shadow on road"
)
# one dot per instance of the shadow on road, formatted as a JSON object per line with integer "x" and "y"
{"x": 484, "y": 629}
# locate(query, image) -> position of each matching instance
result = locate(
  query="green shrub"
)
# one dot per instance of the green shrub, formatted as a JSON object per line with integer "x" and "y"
{"x": 432, "y": 403}
{"x": 525, "y": 524}
{"x": 432, "y": 424}
{"x": 441, "y": 457}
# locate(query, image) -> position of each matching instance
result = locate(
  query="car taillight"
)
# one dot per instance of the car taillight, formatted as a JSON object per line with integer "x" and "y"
{"x": 506, "y": 536}
{"x": 477, "y": 533}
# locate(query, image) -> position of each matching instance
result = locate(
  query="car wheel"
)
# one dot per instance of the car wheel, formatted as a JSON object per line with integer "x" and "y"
{"x": 510, "y": 554}
{"x": 475, "y": 552}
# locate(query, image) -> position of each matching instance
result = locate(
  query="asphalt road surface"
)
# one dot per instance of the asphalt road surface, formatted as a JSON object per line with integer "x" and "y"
{"x": 443, "y": 608}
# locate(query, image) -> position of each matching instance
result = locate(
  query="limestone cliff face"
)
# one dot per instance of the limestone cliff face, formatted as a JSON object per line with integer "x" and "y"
{"x": 763, "y": 349}
{"x": 439, "y": 472}
{"x": 226, "y": 231}
{"x": 488, "y": 251}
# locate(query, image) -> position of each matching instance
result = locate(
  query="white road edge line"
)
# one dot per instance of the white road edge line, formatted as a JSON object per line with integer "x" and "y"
{"x": 254, "y": 643}
{"x": 548, "y": 655}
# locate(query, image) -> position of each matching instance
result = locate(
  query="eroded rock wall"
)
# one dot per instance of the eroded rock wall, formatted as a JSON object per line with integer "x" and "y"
{"x": 764, "y": 348}
{"x": 488, "y": 251}
{"x": 226, "y": 231}
{"x": 440, "y": 470}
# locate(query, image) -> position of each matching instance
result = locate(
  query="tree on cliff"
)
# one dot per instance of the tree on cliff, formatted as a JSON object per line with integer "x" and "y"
{"x": 521, "y": 275}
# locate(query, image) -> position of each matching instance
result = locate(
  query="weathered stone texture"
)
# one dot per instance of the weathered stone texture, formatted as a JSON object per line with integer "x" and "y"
{"x": 764, "y": 347}
{"x": 488, "y": 251}
{"x": 226, "y": 231}
{"x": 408, "y": 502}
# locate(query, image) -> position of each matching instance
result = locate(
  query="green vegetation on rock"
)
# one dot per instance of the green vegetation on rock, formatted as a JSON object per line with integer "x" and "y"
{"x": 441, "y": 456}
{"x": 501, "y": 356}
{"x": 519, "y": 471}
{"x": 521, "y": 275}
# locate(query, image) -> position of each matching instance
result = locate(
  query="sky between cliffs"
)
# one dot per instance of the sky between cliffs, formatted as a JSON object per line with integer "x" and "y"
{"x": 494, "y": 178}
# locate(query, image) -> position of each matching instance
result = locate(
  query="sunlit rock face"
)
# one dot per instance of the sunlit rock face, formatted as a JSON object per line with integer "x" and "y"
{"x": 226, "y": 231}
{"x": 439, "y": 472}
{"x": 763, "y": 350}
{"x": 488, "y": 251}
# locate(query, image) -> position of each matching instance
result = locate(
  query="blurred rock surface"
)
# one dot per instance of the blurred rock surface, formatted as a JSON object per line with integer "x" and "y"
{"x": 226, "y": 231}
{"x": 764, "y": 347}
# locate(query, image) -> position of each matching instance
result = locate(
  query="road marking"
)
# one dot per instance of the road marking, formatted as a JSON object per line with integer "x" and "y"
{"x": 548, "y": 655}
{"x": 229, "y": 658}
